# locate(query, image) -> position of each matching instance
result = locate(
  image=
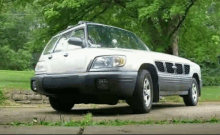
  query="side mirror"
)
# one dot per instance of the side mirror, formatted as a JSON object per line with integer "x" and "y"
{"x": 75, "y": 41}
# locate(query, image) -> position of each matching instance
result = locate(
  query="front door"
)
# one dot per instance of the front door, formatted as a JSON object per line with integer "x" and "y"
{"x": 56, "y": 59}
{"x": 76, "y": 60}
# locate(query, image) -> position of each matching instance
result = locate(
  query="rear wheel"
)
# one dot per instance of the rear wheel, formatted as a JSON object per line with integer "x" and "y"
{"x": 59, "y": 105}
{"x": 192, "y": 98}
{"x": 143, "y": 95}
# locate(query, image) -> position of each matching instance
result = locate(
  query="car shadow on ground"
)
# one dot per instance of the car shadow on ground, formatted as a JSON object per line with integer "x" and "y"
{"x": 111, "y": 110}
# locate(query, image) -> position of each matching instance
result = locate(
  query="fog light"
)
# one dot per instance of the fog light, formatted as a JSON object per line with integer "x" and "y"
{"x": 102, "y": 84}
{"x": 34, "y": 86}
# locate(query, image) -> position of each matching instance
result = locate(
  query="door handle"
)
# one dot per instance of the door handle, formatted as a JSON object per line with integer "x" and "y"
{"x": 50, "y": 57}
{"x": 66, "y": 54}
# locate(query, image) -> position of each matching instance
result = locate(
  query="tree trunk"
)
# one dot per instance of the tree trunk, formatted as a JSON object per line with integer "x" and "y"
{"x": 175, "y": 40}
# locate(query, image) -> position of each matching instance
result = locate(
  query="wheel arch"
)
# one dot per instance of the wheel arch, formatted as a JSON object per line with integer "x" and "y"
{"x": 152, "y": 69}
{"x": 196, "y": 76}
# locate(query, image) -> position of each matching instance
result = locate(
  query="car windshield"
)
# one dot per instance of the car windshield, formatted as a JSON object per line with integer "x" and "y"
{"x": 111, "y": 37}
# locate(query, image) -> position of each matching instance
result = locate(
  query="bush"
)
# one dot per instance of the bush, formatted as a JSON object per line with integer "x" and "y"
{"x": 12, "y": 60}
{"x": 211, "y": 80}
{"x": 210, "y": 74}
{"x": 21, "y": 60}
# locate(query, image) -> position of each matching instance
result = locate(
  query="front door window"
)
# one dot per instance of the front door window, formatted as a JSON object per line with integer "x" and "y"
{"x": 63, "y": 42}
{"x": 76, "y": 33}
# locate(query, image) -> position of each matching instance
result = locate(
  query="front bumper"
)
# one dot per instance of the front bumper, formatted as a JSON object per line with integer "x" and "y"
{"x": 121, "y": 84}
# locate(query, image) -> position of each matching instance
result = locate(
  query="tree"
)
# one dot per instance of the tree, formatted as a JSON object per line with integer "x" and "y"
{"x": 200, "y": 36}
{"x": 15, "y": 21}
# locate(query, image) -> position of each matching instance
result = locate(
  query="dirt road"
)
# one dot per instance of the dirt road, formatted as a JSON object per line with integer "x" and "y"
{"x": 102, "y": 112}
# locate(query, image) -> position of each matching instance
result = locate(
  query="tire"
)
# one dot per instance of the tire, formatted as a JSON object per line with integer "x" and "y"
{"x": 192, "y": 98}
{"x": 143, "y": 95}
{"x": 60, "y": 106}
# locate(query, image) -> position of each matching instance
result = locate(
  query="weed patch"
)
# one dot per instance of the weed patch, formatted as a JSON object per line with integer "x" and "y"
{"x": 88, "y": 121}
{"x": 2, "y": 97}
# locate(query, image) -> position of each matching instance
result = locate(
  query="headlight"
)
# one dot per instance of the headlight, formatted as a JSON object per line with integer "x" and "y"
{"x": 108, "y": 62}
{"x": 40, "y": 67}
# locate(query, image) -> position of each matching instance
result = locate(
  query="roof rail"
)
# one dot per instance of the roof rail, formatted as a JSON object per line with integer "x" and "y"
{"x": 68, "y": 27}
{"x": 71, "y": 26}
{"x": 82, "y": 22}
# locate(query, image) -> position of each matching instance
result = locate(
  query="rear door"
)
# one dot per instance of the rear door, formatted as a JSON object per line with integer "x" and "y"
{"x": 170, "y": 75}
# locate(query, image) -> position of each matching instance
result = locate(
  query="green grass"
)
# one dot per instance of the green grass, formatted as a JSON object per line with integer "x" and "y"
{"x": 210, "y": 93}
{"x": 88, "y": 121}
{"x": 15, "y": 80}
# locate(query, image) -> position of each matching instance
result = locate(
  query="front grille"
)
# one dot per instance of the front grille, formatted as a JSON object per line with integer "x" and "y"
{"x": 160, "y": 66}
{"x": 187, "y": 69}
{"x": 179, "y": 69}
{"x": 169, "y": 67}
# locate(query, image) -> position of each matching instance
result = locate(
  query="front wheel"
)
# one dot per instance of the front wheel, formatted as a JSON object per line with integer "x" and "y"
{"x": 192, "y": 98}
{"x": 143, "y": 95}
{"x": 58, "y": 105}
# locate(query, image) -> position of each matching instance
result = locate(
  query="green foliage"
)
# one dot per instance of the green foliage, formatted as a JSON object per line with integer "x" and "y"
{"x": 18, "y": 20}
{"x": 87, "y": 120}
{"x": 210, "y": 74}
{"x": 211, "y": 81}
{"x": 12, "y": 60}
{"x": 155, "y": 20}
{"x": 199, "y": 40}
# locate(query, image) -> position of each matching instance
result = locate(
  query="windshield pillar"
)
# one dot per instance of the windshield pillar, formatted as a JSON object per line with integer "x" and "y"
{"x": 86, "y": 35}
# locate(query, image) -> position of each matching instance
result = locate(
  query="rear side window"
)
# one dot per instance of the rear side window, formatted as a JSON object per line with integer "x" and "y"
{"x": 50, "y": 45}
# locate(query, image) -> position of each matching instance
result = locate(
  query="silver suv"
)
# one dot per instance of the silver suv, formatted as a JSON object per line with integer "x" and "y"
{"x": 96, "y": 63}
